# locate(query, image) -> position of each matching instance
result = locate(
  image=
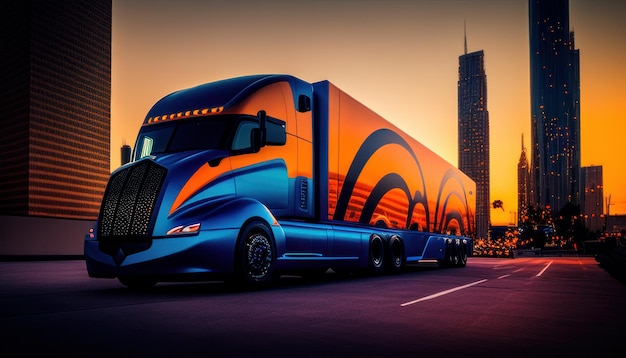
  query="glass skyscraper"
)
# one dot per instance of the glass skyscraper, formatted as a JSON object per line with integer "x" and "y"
{"x": 55, "y": 88}
{"x": 523, "y": 183}
{"x": 555, "y": 106}
{"x": 473, "y": 132}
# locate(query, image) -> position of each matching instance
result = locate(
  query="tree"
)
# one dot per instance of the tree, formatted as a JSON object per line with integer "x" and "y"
{"x": 568, "y": 223}
{"x": 498, "y": 204}
{"x": 535, "y": 227}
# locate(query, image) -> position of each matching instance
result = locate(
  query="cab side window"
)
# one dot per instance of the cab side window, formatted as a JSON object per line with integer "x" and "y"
{"x": 242, "y": 135}
{"x": 275, "y": 134}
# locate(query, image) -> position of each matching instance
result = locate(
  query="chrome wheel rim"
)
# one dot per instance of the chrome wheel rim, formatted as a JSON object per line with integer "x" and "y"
{"x": 258, "y": 256}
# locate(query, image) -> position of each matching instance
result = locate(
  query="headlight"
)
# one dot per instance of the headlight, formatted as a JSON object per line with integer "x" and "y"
{"x": 184, "y": 229}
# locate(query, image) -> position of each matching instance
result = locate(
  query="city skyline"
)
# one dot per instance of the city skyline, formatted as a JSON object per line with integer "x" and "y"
{"x": 398, "y": 58}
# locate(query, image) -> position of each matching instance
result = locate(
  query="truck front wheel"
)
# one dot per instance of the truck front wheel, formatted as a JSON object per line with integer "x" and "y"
{"x": 256, "y": 255}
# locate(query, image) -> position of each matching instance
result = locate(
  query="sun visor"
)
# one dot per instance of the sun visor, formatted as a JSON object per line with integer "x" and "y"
{"x": 209, "y": 98}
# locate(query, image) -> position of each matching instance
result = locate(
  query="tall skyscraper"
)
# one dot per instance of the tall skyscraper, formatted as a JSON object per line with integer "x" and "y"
{"x": 523, "y": 183}
{"x": 125, "y": 154}
{"x": 593, "y": 197}
{"x": 555, "y": 105}
{"x": 55, "y": 88}
{"x": 474, "y": 132}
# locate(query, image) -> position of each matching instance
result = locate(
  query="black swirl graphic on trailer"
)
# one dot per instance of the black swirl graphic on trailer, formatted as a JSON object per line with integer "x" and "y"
{"x": 372, "y": 143}
{"x": 387, "y": 183}
{"x": 452, "y": 215}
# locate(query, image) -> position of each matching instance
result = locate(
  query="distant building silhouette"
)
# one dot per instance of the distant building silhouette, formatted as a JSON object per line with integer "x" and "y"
{"x": 593, "y": 197}
{"x": 555, "y": 106}
{"x": 473, "y": 125}
{"x": 126, "y": 151}
{"x": 55, "y": 88}
{"x": 523, "y": 183}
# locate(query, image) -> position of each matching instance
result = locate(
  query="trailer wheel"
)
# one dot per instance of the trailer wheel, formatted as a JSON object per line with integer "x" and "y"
{"x": 454, "y": 252}
{"x": 450, "y": 256}
{"x": 256, "y": 255}
{"x": 395, "y": 259}
{"x": 462, "y": 254}
{"x": 376, "y": 254}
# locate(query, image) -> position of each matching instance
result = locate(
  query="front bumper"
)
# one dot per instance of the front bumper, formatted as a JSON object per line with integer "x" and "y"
{"x": 178, "y": 258}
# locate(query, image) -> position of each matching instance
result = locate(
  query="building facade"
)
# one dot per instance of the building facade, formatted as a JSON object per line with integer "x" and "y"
{"x": 473, "y": 132}
{"x": 555, "y": 106}
{"x": 55, "y": 83}
{"x": 592, "y": 207}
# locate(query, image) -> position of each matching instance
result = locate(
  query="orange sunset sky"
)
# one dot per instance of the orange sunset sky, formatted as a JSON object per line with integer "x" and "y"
{"x": 399, "y": 58}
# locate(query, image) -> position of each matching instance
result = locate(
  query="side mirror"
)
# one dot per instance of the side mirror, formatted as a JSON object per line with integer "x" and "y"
{"x": 255, "y": 140}
{"x": 262, "y": 118}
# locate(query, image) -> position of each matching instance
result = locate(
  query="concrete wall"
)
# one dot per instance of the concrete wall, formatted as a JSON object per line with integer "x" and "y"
{"x": 34, "y": 236}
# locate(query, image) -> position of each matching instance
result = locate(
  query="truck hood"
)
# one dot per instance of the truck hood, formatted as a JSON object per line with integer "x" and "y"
{"x": 193, "y": 177}
{"x": 190, "y": 159}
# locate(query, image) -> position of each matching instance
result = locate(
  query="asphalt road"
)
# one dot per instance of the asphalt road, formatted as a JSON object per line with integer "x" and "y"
{"x": 492, "y": 308}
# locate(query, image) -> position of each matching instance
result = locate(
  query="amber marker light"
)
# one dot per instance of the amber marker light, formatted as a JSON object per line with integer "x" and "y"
{"x": 182, "y": 229}
{"x": 185, "y": 114}
{"x": 90, "y": 234}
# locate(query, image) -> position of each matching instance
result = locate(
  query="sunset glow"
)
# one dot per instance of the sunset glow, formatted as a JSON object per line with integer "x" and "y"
{"x": 399, "y": 58}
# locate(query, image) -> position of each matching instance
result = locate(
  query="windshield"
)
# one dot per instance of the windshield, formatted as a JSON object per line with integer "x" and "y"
{"x": 226, "y": 132}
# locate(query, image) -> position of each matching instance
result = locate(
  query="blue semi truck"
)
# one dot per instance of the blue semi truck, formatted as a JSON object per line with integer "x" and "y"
{"x": 248, "y": 178}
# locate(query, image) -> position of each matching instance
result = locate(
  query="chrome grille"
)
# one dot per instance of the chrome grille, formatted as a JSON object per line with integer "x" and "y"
{"x": 129, "y": 201}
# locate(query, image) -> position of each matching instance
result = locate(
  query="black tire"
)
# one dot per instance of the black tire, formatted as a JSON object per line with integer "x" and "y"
{"x": 454, "y": 252}
{"x": 395, "y": 257}
{"x": 462, "y": 254}
{"x": 449, "y": 258}
{"x": 376, "y": 254}
{"x": 137, "y": 283}
{"x": 256, "y": 255}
